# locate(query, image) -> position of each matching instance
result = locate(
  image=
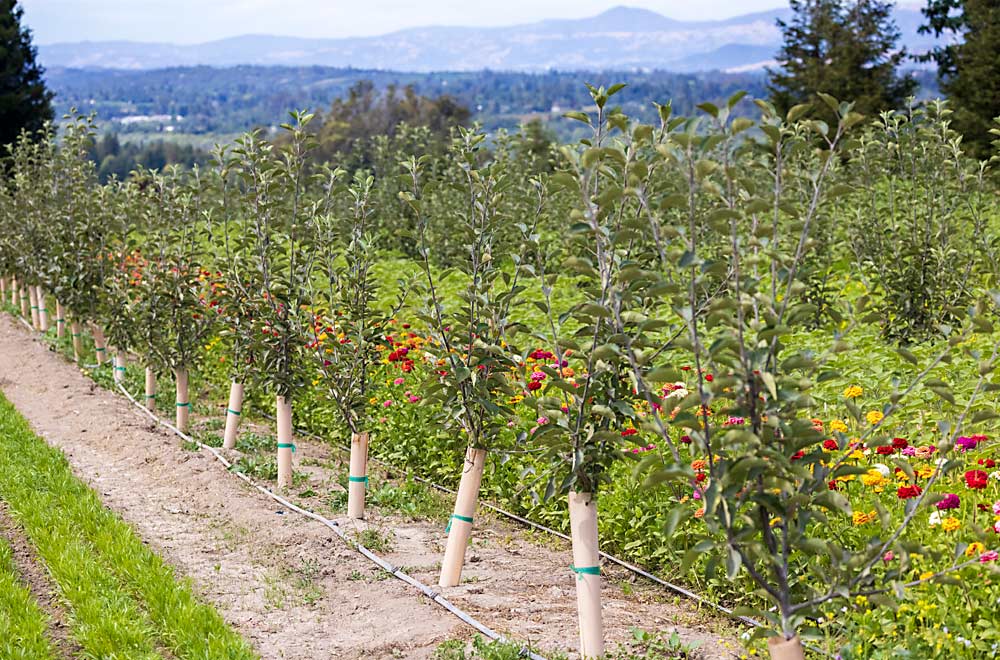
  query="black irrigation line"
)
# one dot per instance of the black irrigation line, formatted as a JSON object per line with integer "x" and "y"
{"x": 332, "y": 524}
{"x": 687, "y": 593}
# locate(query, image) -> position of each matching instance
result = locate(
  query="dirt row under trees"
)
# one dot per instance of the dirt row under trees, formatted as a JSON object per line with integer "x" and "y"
{"x": 286, "y": 583}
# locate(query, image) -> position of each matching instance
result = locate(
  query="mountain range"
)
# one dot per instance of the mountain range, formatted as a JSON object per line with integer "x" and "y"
{"x": 621, "y": 38}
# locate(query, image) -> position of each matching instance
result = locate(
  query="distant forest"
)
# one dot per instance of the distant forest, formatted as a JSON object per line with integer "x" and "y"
{"x": 229, "y": 100}
{"x": 214, "y": 103}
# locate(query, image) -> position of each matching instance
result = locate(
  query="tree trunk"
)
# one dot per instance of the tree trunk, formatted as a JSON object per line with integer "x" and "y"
{"x": 120, "y": 366}
{"x": 100, "y": 345}
{"x": 183, "y": 402}
{"x": 33, "y": 300}
{"x": 358, "y": 479}
{"x": 25, "y": 305}
{"x": 285, "y": 444}
{"x": 60, "y": 320}
{"x": 77, "y": 342}
{"x": 587, "y": 567}
{"x": 43, "y": 311}
{"x": 785, "y": 649}
{"x": 460, "y": 526}
{"x": 233, "y": 413}
{"x": 150, "y": 389}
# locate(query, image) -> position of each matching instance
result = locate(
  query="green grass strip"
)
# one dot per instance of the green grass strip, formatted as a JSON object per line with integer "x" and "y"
{"x": 125, "y": 601}
{"x": 22, "y": 623}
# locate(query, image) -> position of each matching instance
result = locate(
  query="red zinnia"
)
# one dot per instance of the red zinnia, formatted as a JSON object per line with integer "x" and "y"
{"x": 830, "y": 444}
{"x": 799, "y": 454}
{"x": 907, "y": 492}
{"x": 884, "y": 450}
{"x": 900, "y": 443}
{"x": 627, "y": 432}
{"x": 534, "y": 385}
{"x": 976, "y": 479}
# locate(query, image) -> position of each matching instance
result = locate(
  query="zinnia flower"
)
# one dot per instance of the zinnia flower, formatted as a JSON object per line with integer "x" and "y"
{"x": 830, "y": 445}
{"x": 908, "y": 492}
{"x": 976, "y": 479}
{"x": 988, "y": 556}
{"x": 975, "y": 548}
{"x": 837, "y": 426}
{"x": 853, "y": 392}
{"x": 950, "y": 524}
{"x": 874, "y": 417}
{"x": 949, "y": 501}
{"x": 965, "y": 444}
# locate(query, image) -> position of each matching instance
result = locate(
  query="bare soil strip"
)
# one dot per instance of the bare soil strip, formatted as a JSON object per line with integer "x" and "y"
{"x": 38, "y": 582}
{"x": 286, "y": 583}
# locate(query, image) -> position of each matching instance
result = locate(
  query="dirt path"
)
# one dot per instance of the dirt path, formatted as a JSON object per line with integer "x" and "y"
{"x": 288, "y": 584}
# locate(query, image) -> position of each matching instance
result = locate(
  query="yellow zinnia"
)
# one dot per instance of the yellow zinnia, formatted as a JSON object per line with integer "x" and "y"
{"x": 950, "y": 524}
{"x": 853, "y": 392}
{"x": 975, "y": 549}
{"x": 874, "y": 417}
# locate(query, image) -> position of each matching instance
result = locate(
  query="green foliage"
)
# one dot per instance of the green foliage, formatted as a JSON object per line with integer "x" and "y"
{"x": 968, "y": 64}
{"x": 923, "y": 260}
{"x": 126, "y": 601}
{"x": 25, "y": 102}
{"x": 23, "y": 626}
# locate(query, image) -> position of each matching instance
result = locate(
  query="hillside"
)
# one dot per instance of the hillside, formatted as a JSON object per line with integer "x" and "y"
{"x": 620, "y": 38}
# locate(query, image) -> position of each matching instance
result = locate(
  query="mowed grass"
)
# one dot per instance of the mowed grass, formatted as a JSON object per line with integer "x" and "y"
{"x": 22, "y": 622}
{"x": 123, "y": 601}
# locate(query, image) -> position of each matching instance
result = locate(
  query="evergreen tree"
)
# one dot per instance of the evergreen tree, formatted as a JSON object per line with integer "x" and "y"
{"x": 847, "y": 49}
{"x": 968, "y": 67}
{"x": 25, "y": 103}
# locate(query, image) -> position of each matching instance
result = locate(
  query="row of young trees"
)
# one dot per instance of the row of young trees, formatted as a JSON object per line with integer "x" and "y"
{"x": 692, "y": 242}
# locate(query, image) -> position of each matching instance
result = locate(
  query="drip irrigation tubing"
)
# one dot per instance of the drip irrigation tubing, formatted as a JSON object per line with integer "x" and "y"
{"x": 396, "y": 572}
{"x": 333, "y": 525}
{"x": 687, "y": 593}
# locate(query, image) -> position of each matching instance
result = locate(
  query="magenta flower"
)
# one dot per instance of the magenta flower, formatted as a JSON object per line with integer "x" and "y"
{"x": 949, "y": 501}
{"x": 988, "y": 556}
{"x": 909, "y": 451}
{"x": 965, "y": 443}
{"x": 386, "y": 404}
{"x": 399, "y": 381}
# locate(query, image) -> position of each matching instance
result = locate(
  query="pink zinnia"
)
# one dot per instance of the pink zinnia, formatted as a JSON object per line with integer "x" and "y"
{"x": 988, "y": 556}
{"x": 386, "y": 404}
{"x": 399, "y": 381}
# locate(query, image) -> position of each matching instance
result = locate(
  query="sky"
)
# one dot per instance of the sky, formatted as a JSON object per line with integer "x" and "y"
{"x": 195, "y": 21}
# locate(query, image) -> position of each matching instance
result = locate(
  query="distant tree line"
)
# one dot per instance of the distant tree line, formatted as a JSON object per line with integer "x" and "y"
{"x": 850, "y": 49}
{"x": 116, "y": 159}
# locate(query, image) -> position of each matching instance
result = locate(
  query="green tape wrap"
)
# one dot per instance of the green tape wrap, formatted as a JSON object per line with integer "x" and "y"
{"x": 101, "y": 349}
{"x": 233, "y": 412}
{"x": 184, "y": 405}
{"x": 35, "y": 307}
{"x": 585, "y": 570}
{"x": 455, "y": 516}
{"x": 287, "y": 445}
{"x": 119, "y": 368}
{"x": 150, "y": 396}
{"x": 359, "y": 480}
